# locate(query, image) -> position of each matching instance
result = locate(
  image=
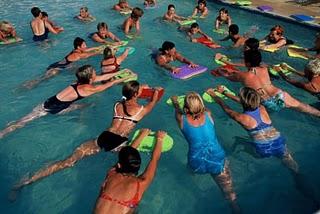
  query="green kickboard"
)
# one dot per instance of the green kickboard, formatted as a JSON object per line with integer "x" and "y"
{"x": 10, "y": 41}
{"x": 284, "y": 71}
{"x": 206, "y": 97}
{"x": 124, "y": 73}
{"x": 222, "y": 60}
{"x": 180, "y": 101}
{"x": 187, "y": 22}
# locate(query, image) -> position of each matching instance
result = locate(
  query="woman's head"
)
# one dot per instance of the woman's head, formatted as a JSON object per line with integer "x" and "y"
{"x": 312, "y": 69}
{"x": 102, "y": 27}
{"x": 249, "y": 99}
{"x": 202, "y": 4}
{"x": 252, "y": 58}
{"x": 79, "y": 43}
{"x": 84, "y": 12}
{"x": 129, "y": 160}
{"x": 130, "y": 90}
{"x": 193, "y": 105}
{"x": 223, "y": 12}
{"x": 85, "y": 74}
{"x": 167, "y": 46}
{"x": 136, "y": 13}
{"x": 36, "y": 12}
{"x": 108, "y": 53}
{"x": 251, "y": 44}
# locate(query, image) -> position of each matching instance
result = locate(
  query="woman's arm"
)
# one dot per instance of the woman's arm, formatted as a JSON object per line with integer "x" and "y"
{"x": 178, "y": 111}
{"x": 148, "y": 108}
{"x": 114, "y": 37}
{"x": 104, "y": 77}
{"x": 123, "y": 56}
{"x": 142, "y": 134}
{"x": 97, "y": 38}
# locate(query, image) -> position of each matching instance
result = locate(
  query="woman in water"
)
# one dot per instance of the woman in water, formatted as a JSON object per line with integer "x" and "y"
{"x": 205, "y": 155}
{"x": 80, "y": 51}
{"x": 275, "y": 39}
{"x": 63, "y": 101}
{"x": 201, "y": 8}
{"x": 84, "y": 15}
{"x": 255, "y": 119}
{"x": 103, "y": 33}
{"x": 111, "y": 63}
{"x": 123, "y": 188}
{"x": 7, "y": 31}
{"x": 127, "y": 113}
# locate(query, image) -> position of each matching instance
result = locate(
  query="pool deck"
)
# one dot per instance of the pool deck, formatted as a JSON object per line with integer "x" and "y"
{"x": 286, "y": 8}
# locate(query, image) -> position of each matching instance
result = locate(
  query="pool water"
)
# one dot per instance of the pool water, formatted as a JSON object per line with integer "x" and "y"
{"x": 262, "y": 185}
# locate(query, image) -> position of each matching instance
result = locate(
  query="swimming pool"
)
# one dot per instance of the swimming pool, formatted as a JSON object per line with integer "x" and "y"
{"x": 262, "y": 185}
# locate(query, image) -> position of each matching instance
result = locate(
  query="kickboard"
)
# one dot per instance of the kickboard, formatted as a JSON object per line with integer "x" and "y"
{"x": 180, "y": 101}
{"x": 124, "y": 73}
{"x": 188, "y": 72}
{"x": 222, "y": 60}
{"x": 11, "y": 41}
{"x": 147, "y": 93}
{"x": 265, "y": 8}
{"x": 147, "y": 144}
{"x": 293, "y": 53}
{"x": 206, "y": 97}
{"x": 220, "y": 31}
{"x": 284, "y": 71}
{"x": 187, "y": 22}
{"x": 121, "y": 50}
{"x": 130, "y": 36}
{"x": 125, "y": 12}
{"x": 302, "y": 17}
{"x": 243, "y": 3}
{"x": 203, "y": 40}
{"x": 151, "y": 7}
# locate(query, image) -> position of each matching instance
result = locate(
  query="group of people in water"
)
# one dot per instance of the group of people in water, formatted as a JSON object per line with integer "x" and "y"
{"x": 123, "y": 188}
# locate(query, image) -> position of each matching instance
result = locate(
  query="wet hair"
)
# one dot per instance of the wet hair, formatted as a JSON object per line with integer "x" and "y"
{"x": 202, "y": 2}
{"x": 84, "y": 8}
{"x": 194, "y": 25}
{"x": 102, "y": 25}
{"x": 84, "y": 74}
{"x": 129, "y": 160}
{"x": 171, "y": 6}
{"x": 252, "y": 44}
{"x": 129, "y": 90}
{"x": 234, "y": 29}
{"x": 249, "y": 99}
{"x": 313, "y": 66}
{"x": 136, "y": 13}
{"x": 77, "y": 42}
{"x": 224, "y": 10}
{"x": 193, "y": 105}
{"x": 35, "y": 11}
{"x": 253, "y": 57}
{"x": 166, "y": 46}
{"x": 107, "y": 53}
{"x": 44, "y": 14}
{"x": 279, "y": 30}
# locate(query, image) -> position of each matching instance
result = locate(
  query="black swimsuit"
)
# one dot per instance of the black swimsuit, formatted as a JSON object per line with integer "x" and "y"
{"x": 53, "y": 105}
{"x": 61, "y": 64}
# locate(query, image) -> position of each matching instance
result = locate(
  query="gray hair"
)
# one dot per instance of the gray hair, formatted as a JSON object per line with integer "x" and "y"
{"x": 314, "y": 66}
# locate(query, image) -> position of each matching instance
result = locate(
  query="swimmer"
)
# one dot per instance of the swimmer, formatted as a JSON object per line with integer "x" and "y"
{"x": 275, "y": 39}
{"x": 267, "y": 141}
{"x": 194, "y": 30}
{"x": 111, "y": 63}
{"x": 223, "y": 18}
{"x": 133, "y": 21}
{"x": 103, "y": 34}
{"x": 200, "y": 8}
{"x": 45, "y": 17}
{"x": 123, "y": 182}
{"x": 205, "y": 156}
{"x": 63, "y": 101}
{"x": 235, "y": 37}
{"x": 167, "y": 53}
{"x": 150, "y": 3}
{"x": 123, "y": 6}
{"x": 127, "y": 113}
{"x": 171, "y": 15}
{"x": 84, "y": 15}
{"x": 315, "y": 48}
{"x": 257, "y": 77}
{"x": 7, "y": 31}
{"x": 40, "y": 27}
{"x": 80, "y": 51}
{"x": 311, "y": 74}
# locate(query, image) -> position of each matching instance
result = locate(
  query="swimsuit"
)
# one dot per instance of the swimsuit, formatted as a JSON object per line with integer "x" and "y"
{"x": 61, "y": 64}
{"x": 110, "y": 141}
{"x": 53, "y": 105}
{"x": 275, "y": 103}
{"x": 266, "y": 144}
{"x": 114, "y": 63}
{"x": 132, "y": 203}
{"x": 205, "y": 154}
{"x": 42, "y": 37}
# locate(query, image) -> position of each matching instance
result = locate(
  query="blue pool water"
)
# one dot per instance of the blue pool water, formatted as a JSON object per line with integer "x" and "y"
{"x": 262, "y": 185}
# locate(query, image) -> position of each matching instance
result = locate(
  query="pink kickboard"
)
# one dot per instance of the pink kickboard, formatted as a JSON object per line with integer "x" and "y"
{"x": 187, "y": 72}
{"x": 265, "y": 8}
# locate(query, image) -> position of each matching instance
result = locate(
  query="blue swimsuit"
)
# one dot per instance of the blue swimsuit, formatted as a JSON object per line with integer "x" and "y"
{"x": 205, "y": 153}
{"x": 265, "y": 145}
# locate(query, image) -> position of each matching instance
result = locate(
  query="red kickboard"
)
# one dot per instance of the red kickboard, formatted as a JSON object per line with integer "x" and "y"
{"x": 147, "y": 93}
{"x": 203, "y": 40}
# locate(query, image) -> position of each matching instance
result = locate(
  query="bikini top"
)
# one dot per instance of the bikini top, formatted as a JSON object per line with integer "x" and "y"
{"x": 130, "y": 118}
{"x": 114, "y": 63}
{"x": 132, "y": 203}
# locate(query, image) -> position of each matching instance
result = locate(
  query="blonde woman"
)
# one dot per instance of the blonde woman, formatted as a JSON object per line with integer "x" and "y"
{"x": 205, "y": 153}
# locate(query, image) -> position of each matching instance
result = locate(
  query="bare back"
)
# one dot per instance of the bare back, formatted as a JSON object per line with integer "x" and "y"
{"x": 38, "y": 27}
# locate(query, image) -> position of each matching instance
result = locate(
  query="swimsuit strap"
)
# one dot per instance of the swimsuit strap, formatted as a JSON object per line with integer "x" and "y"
{"x": 66, "y": 57}
{"x": 75, "y": 87}
{"x": 130, "y": 118}
{"x": 256, "y": 115}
